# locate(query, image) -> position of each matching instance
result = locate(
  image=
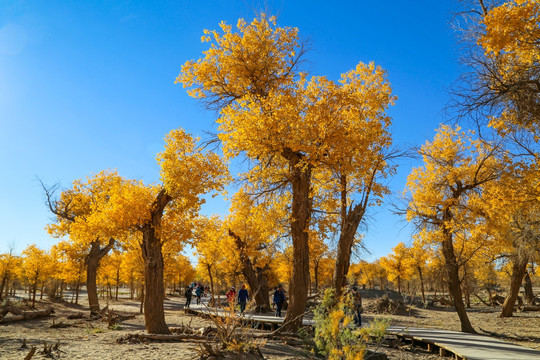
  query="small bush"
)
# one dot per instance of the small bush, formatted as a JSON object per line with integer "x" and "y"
{"x": 232, "y": 335}
{"x": 336, "y": 335}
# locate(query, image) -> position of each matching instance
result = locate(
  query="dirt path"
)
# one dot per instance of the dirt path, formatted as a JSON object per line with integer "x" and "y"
{"x": 93, "y": 340}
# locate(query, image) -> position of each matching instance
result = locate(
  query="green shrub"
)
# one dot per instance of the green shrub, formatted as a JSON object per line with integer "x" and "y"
{"x": 336, "y": 335}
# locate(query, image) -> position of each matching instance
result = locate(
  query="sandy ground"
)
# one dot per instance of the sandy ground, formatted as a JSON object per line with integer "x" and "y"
{"x": 93, "y": 340}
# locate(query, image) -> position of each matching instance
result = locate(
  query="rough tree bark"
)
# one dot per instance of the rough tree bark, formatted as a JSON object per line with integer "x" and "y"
{"x": 452, "y": 269}
{"x": 519, "y": 267}
{"x": 4, "y": 285}
{"x": 344, "y": 248}
{"x": 211, "y": 277}
{"x": 350, "y": 220}
{"x": 154, "y": 291}
{"x": 528, "y": 286}
{"x": 257, "y": 278}
{"x": 95, "y": 254}
{"x": 300, "y": 177}
{"x": 92, "y": 261}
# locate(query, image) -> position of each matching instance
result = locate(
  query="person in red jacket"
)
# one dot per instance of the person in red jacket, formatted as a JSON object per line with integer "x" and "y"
{"x": 231, "y": 295}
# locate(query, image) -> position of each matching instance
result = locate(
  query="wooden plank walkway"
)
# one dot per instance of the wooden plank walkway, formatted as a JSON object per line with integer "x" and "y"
{"x": 463, "y": 345}
{"x": 467, "y": 346}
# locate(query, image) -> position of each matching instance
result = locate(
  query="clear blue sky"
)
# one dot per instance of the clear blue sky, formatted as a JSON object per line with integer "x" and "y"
{"x": 89, "y": 85}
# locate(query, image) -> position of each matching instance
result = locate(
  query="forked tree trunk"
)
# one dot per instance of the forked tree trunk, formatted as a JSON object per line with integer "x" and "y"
{"x": 257, "y": 278}
{"x": 527, "y": 285}
{"x": 92, "y": 263}
{"x": 300, "y": 177}
{"x": 154, "y": 291}
{"x": 519, "y": 267}
{"x": 454, "y": 285}
{"x": 350, "y": 220}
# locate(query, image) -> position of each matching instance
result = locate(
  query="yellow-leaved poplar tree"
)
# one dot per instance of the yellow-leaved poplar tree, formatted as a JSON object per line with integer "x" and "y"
{"x": 287, "y": 124}
{"x": 456, "y": 166}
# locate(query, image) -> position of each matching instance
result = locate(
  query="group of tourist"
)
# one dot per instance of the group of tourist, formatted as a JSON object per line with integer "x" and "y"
{"x": 200, "y": 292}
{"x": 243, "y": 298}
{"x": 278, "y": 298}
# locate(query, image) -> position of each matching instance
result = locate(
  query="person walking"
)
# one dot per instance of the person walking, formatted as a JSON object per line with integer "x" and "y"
{"x": 243, "y": 297}
{"x": 357, "y": 301}
{"x": 188, "y": 293}
{"x": 279, "y": 299}
{"x": 198, "y": 293}
{"x": 231, "y": 295}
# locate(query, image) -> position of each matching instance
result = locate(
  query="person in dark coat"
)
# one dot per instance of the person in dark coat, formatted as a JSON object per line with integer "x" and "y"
{"x": 188, "y": 293}
{"x": 357, "y": 301}
{"x": 198, "y": 292}
{"x": 279, "y": 300}
{"x": 243, "y": 297}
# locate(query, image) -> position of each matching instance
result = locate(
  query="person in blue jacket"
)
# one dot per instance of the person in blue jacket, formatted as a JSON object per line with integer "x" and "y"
{"x": 243, "y": 297}
{"x": 198, "y": 292}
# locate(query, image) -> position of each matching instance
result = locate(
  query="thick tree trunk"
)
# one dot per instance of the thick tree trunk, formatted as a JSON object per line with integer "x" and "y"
{"x": 343, "y": 258}
{"x": 3, "y": 286}
{"x": 349, "y": 225}
{"x": 519, "y": 267}
{"x": 454, "y": 285}
{"x": 528, "y": 286}
{"x": 257, "y": 278}
{"x": 300, "y": 176}
{"x": 154, "y": 291}
{"x": 34, "y": 291}
{"x": 154, "y": 296}
{"x": 92, "y": 263}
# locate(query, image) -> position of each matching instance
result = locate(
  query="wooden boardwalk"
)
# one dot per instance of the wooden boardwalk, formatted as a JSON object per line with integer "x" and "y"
{"x": 462, "y": 345}
{"x": 467, "y": 346}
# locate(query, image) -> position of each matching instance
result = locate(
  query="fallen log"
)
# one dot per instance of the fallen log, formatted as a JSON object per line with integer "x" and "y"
{"x": 138, "y": 338}
{"x": 8, "y": 319}
{"x": 530, "y": 308}
{"x": 11, "y": 309}
{"x": 60, "y": 325}
{"x": 25, "y": 315}
{"x": 76, "y": 316}
{"x": 29, "y": 315}
{"x": 112, "y": 318}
